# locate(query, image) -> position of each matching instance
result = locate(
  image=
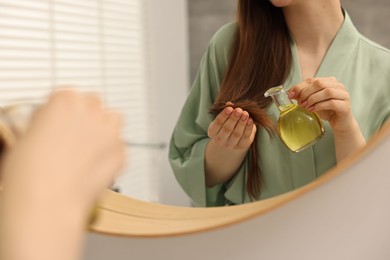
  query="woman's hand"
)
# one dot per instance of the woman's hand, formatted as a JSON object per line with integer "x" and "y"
{"x": 328, "y": 98}
{"x": 231, "y": 134}
{"x": 71, "y": 151}
{"x": 72, "y": 148}
{"x": 233, "y": 129}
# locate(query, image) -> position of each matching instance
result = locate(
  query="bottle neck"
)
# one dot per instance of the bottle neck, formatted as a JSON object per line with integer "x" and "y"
{"x": 279, "y": 97}
{"x": 282, "y": 101}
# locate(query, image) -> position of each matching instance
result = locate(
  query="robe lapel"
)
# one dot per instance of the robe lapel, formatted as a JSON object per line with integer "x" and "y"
{"x": 342, "y": 48}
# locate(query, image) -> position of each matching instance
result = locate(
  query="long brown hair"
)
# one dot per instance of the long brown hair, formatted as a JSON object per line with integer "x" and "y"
{"x": 260, "y": 58}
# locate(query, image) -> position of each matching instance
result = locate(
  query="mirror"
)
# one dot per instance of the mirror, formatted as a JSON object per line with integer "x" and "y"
{"x": 168, "y": 26}
{"x": 330, "y": 218}
{"x": 205, "y": 17}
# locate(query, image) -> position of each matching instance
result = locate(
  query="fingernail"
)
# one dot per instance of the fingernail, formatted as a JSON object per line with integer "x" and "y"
{"x": 311, "y": 109}
{"x": 229, "y": 110}
{"x": 304, "y": 104}
{"x": 291, "y": 94}
{"x": 250, "y": 122}
{"x": 238, "y": 113}
{"x": 244, "y": 117}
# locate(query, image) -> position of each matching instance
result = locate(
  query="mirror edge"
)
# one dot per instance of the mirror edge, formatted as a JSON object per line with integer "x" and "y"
{"x": 128, "y": 217}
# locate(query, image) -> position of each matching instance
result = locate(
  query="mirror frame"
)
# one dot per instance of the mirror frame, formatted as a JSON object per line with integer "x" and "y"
{"x": 128, "y": 217}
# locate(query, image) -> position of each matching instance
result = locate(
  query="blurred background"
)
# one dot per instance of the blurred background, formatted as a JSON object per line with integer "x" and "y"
{"x": 141, "y": 55}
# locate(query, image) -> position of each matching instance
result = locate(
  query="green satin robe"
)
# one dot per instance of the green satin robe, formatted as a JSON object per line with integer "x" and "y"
{"x": 360, "y": 64}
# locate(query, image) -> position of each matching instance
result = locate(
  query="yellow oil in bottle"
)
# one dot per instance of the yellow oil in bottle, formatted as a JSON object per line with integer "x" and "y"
{"x": 299, "y": 128}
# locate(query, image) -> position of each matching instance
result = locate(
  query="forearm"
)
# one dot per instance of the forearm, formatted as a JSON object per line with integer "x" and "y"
{"x": 39, "y": 229}
{"x": 221, "y": 163}
{"x": 347, "y": 142}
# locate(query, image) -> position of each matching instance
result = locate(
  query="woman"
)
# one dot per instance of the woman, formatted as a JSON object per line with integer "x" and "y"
{"x": 312, "y": 48}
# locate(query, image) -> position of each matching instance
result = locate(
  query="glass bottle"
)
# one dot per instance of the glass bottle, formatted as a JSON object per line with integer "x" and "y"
{"x": 297, "y": 127}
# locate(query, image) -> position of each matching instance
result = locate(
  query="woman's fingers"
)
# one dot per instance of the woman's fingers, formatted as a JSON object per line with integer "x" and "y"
{"x": 238, "y": 130}
{"x": 219, "y": 121}
{"x": 325, "y": 95}
{"x": 328, "y": 97}
{"x": 302, "y": 91}
{"x": 322, "y": 94}
{"x": 296, "y": 91}
{"x": 248, "y": 135}
{"x": 229, "y": 127}
{"x": 338, "y": 106}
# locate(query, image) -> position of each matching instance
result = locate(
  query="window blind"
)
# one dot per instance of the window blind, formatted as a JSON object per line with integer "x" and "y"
{"x": 95, "y": 45}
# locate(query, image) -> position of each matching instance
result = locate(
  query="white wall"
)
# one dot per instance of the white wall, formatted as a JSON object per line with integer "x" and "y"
{"x": 170, "y": 72}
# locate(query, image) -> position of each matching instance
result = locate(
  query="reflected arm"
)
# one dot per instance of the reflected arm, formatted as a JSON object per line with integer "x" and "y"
{"x": 221, "y": 164}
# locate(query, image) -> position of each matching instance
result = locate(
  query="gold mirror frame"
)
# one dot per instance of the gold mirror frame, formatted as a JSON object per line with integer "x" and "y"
{"x": 128, "y": 217}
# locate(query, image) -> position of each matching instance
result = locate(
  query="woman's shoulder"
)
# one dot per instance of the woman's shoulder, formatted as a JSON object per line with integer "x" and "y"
{"x": 223, "y": 37}
{"x": 225, "y": 33}
{"x": 218, "y": 51}
{"x": 375, "y": 49}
